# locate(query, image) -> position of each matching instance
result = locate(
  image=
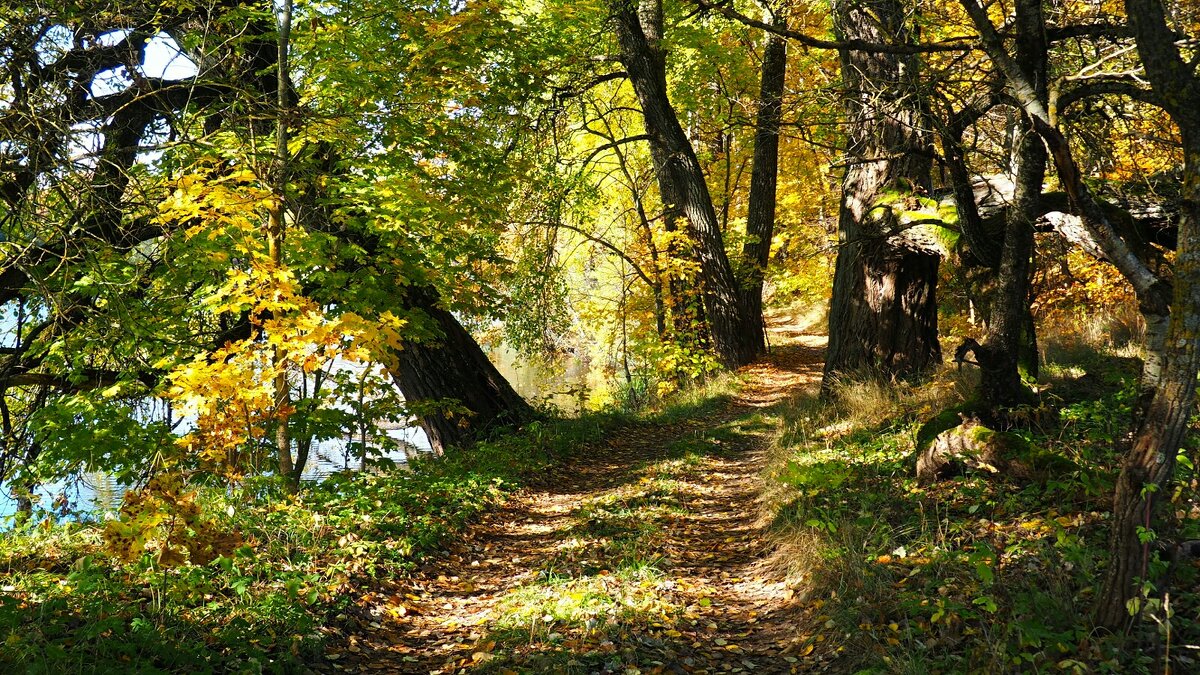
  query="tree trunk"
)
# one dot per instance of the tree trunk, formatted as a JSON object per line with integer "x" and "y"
{"x": 276, "y": 233}
{"x": 883, "y": 313}
{"x": 764, "y": 173}
{"x": 1149, "y": 465}
{"x": 679, "y": 172}
{"x": 983, "y": 243}
{"x": 1007, "y": 351}
{"x": 1150, "y": 289}
{"x": 452, "y": 368}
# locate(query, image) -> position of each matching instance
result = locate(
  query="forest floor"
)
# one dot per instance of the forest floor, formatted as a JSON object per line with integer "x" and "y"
{"x": 647, "y": 553}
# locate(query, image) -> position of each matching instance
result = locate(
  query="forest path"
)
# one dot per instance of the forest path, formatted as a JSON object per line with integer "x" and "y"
{"x": 647, "y": 555}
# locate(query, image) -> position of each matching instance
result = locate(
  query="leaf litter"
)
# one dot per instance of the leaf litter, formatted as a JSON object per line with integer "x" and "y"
{"x": 645, "y": 556}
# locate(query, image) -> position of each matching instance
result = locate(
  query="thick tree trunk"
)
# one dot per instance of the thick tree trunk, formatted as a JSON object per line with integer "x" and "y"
{"x": 883, "y": 314}
{"x": 764, "y": 173}
{"x": 445, "y": 364}
{"x": 453, "y": 368}
{"x": 682, "y": 179}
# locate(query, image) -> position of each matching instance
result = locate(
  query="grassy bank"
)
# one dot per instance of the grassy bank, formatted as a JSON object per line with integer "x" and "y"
{"x": 978, "y": 573}
{"x": 67, "y": 606}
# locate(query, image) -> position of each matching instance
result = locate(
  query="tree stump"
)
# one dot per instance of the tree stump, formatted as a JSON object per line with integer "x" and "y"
{"x": 972, "y": 447}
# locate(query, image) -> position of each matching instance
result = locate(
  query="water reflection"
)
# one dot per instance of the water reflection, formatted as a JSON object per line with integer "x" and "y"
{"x": 93, "y": 495}
{"x": 562, "y": 383}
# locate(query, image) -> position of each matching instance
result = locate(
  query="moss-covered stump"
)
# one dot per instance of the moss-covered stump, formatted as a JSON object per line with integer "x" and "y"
{"x": 970, "y": 446}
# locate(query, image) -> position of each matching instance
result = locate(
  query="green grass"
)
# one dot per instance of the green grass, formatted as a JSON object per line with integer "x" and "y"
{"x": 68, "y": 607}
{"x": 976, "y": 573}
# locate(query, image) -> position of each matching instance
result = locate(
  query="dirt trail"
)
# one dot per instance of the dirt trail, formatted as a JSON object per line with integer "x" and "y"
{"x": 646, "y": 555}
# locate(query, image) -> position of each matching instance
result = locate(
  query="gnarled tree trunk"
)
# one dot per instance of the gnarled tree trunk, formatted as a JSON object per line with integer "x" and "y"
{"x": 1149, "y": 466}
{"x": 1173, "y": 322}
{"x": 1010, "y": 347}
{"x": 883, "y": 314}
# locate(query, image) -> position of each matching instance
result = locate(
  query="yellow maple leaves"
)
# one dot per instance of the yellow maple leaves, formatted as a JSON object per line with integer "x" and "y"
{"x": 229, "y": 392}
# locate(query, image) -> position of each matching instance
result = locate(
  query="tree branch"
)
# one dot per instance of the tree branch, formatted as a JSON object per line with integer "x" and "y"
{"x": 961, "y": 44}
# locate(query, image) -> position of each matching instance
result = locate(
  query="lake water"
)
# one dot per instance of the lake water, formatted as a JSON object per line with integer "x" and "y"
{"x": 562, "y": 385}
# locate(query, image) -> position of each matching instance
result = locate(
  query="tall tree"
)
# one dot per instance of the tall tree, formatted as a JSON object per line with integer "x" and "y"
{"x": 681, "y": 179}
{"x": 764, "y": 175}
{"x": 883, "y": 314}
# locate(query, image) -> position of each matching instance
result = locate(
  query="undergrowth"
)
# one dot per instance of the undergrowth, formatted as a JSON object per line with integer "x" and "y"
{"x": 977, "y": 573}
{"x": 65, "y": 606}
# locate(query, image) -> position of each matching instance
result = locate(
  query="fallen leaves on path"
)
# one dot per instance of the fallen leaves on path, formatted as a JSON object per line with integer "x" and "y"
{"x": 644, "y": 556}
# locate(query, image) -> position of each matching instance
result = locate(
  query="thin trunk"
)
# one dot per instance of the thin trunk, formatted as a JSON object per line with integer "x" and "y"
{"x": 883, "y": 313}
{"x": 983, "y": 242}
{"x": 764, "y": 173}
{"x": 656, "y": 287}
{"x": 275, "y": 239}
{"x": 303, "y": 437}
{"x": 679, "y": 172}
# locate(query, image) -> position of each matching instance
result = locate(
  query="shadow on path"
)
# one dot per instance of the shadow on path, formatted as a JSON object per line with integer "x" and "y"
{"x": 644, "y": 554}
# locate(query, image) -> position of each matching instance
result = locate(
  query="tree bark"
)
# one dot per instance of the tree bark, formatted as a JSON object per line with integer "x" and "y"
{"x": 1149, "y": 465}
{"x": 1010, "y": 346}
{"x": 764, "y": 174}
{"x": 453, "y": 368}
{"x": 681, "y": 179}
{"x": 883, "y": 314}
